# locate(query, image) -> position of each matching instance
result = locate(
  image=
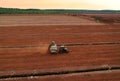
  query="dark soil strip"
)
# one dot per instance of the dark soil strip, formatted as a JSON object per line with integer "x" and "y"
{"x": 60, "y": 72}
{"x": 62, "y": 34}
{"x": 97, "y": 43}
{"x": 69, "y": 44}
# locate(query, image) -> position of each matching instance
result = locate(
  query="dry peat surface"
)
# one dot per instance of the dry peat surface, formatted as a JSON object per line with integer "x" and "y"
{"x": 94, "y": 49}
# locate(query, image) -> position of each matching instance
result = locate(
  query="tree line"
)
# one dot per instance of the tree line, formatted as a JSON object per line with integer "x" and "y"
{"x": 49, "y": 11}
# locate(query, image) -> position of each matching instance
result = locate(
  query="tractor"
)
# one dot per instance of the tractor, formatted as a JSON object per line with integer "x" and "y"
{"x": 53, "y": 49}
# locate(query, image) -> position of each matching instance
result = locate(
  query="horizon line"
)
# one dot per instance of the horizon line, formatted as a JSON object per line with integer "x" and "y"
{"x": 62, "y": 9}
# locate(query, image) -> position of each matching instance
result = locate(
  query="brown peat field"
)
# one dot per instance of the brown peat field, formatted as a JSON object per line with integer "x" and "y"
{"x": 24, "y": 40}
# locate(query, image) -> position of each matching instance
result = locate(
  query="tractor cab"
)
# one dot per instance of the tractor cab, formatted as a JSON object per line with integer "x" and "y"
{"x": 63, "y": 49}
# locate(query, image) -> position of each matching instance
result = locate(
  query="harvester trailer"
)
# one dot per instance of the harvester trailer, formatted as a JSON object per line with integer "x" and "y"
{"x": 53, "y": 48}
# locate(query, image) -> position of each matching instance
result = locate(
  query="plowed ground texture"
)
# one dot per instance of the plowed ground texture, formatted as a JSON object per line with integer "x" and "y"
{"x": 33, "y": 20}
{"x": 94, "y": 53}
{"x": 106, "y": 17}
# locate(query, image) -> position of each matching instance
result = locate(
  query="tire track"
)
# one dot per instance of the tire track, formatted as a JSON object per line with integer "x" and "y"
{"x": 93, "y": 70}
{"x": 67, "y": 44}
